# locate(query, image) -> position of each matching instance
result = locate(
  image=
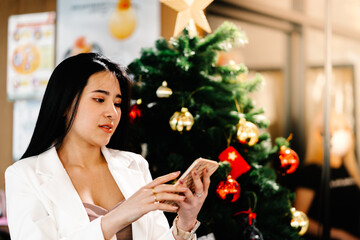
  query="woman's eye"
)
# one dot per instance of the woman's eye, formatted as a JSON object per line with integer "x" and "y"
{"x": 117, "y": 105}
{"x": 100, "y": 100}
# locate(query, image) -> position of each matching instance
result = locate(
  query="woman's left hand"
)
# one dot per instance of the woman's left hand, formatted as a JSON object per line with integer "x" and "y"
{"x": 190, "y": 207}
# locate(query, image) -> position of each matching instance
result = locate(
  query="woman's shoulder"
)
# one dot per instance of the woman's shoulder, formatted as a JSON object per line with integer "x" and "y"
{"x": 24, "y": 164}
{"x": 47, "y": 160}
{"x": 24, "y": 167}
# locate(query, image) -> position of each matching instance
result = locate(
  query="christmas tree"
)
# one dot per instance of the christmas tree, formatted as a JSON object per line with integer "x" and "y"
{"x": 189, "y": 107}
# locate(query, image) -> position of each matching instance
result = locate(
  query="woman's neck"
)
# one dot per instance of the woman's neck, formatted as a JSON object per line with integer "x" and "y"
{"x": 80, "y": 155}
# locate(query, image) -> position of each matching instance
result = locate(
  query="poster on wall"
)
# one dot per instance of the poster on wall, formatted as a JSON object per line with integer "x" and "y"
{"x": 30, "y": 55}
{"x": 117, "y": 29}
{"x": 24, "y": 118}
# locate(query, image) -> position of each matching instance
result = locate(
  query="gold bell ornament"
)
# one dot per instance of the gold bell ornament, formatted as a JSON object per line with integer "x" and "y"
{"x": 182, "y": 120}
{"x": 299, "y": 220}
{"x": 247, "y": 132}
{"x": 163, "y": 91}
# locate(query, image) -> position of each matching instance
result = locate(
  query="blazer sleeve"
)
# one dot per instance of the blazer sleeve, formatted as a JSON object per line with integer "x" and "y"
{"x": 28, "y": 217}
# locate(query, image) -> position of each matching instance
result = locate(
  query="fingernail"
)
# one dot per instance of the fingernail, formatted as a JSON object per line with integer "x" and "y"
{"x": 175, "y": 207}
{"x": 181, "y": 181}
{"x": 176, "y": 173}
{"x": 195, "y": 173}
{"x": 206, "y": 170}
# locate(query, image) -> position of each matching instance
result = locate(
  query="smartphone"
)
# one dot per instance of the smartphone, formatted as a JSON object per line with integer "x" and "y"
{"x": 199, "y": 165}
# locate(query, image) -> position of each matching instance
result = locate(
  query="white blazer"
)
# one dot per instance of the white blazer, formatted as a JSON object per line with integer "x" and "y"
{"x": 42, "y": 202}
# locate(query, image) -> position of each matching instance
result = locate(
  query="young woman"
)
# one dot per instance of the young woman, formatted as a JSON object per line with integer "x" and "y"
{"x": 344, "y": 181}
{"x": 74, "y": 182}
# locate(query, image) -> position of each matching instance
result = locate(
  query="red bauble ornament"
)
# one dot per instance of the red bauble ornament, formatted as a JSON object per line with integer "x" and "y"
{"x": 288, "y": 160}
{"x": 135, "y": 111}
{"x": 229, "y": 190}
{"x": 238, "y": 164}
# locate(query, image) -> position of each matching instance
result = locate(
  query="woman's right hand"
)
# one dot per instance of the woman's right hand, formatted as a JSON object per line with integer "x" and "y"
{"x": 148, "y": 198}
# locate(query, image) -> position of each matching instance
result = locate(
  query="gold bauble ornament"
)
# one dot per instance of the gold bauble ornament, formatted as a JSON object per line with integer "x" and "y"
{"x": 247, "y": 132}
{"x": 182, "y": 120}
{"x": 163, "y": 91}
{"x": 299, "y": 220}
{"x": 189, "y": 12}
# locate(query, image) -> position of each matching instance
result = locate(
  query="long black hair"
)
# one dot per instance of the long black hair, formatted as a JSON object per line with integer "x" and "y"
{"x": 62, "y": 95}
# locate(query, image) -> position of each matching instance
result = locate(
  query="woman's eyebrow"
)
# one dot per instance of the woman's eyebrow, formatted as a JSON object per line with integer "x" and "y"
{"x": 106, "y": 92}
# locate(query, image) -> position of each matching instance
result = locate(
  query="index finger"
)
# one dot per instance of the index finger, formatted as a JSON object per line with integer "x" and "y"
{"x": 163, "y": 179}
{"x": 206, "y": 179}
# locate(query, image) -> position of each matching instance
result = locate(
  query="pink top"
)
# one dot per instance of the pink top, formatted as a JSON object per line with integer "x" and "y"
{"x": 95, "y": 211}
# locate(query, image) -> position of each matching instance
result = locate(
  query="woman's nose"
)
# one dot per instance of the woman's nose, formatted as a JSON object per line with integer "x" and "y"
{"x": 112, "y": 112}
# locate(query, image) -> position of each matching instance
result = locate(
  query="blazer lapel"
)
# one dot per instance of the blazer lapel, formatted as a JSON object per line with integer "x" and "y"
{"x": 57, "y": 186}
{"x": 129, "y": 179}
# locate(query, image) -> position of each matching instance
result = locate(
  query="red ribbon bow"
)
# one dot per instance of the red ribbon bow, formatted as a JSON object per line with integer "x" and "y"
{"x": 252, "y": 215}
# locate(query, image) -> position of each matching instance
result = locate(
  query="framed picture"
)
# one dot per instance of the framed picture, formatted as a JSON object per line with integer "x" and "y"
{"x": 31, "y": 54}
{"x": 115, "y": 28}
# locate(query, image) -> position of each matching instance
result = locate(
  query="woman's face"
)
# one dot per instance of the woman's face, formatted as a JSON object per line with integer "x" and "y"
{"x": 341, "y": 139}
{"x": 98, "y": 112}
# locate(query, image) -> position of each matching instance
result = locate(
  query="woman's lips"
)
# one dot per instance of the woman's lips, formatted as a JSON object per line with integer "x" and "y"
{"x": 108, "y": 128}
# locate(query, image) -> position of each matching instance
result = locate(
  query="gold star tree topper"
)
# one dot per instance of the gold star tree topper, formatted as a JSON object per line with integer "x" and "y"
{"x": 189, "y": 12}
